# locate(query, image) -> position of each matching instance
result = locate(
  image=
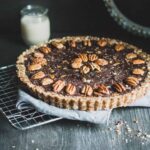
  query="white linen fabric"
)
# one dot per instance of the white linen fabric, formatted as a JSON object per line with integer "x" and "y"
{"x": 98, "y": 117}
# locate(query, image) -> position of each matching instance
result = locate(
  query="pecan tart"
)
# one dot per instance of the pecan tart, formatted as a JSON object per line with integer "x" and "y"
{"x": 85, "y": 73}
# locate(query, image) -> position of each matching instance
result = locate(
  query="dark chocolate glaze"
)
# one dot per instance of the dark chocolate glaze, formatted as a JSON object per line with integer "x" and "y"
{"x": 59, "y": 65}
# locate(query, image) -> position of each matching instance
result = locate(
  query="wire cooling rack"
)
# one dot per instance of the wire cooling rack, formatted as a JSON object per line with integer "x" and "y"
{"x": 20, "y": 119}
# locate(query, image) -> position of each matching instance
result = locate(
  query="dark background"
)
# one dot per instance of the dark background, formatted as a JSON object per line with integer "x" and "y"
{"x": 70, "y": 17}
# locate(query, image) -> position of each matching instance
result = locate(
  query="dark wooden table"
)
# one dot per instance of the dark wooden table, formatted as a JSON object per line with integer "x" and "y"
{"x": 74, "y": 135}
{"x": 128, "y": 129}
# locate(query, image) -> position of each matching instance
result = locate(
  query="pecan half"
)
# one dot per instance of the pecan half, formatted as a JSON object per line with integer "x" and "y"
{"x": 73, "y": 43}
{"x": 102, "y": 90}
{"x": 85, "y": 70}
{"x": 87, "y": 90}
{"x": 119, "y": 47}
{"x": 101, "y": 62}
{"x": 87, "y": 43}
{"x": 38, "y": 55}
{"x": 77, "y": 63}
{"x": 138, "y": 71}
{"x": 83, "y": 57}
{"x": 102, "y": 42}
{"x": 39, "y": 60}
{"x": 138, "y": 61}
{"x": 131, "y": 55}
{"x": 133, "y": 81}
{"x": 119, "y": 87}
{"x": 70, "y": 89}
{"x": 92, "y": 57}
{"x": 38, "y": 75}
{"x": 58, "y": 85}
{"x": 58, "y": 45}
{"x": 95, "y": 66}
{"x": 45, "y": 49}
{"x": 34, "y": 67}
{"x": 47, "y": 81}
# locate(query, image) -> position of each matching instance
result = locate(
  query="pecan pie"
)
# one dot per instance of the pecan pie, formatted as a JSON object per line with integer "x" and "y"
{"x": 85, "y": 73}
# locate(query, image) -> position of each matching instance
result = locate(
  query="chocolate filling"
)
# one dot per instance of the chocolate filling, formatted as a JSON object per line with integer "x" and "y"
{"x": 59, "y": 66}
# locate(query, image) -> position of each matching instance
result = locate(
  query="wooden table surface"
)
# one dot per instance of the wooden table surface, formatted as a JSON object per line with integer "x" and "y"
{"x": 129, "y": 129}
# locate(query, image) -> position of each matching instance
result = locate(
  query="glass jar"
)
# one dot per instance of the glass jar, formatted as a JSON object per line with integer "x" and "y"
{"x": 35, "y": 24}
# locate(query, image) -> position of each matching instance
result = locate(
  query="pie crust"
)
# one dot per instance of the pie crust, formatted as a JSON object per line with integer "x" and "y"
{"x": 88, "y": 97}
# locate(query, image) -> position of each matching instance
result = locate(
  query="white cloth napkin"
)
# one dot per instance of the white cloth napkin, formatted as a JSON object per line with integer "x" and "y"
{"x": 99, "y": 117}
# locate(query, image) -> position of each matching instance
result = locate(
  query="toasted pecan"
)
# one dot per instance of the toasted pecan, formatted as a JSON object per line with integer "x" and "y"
{"x": 58, "y": 85}
{"x": 73, "y": 43}
{"x": 92, "y": 57}
{"x": 83, "y": 57}
{"x": 133, "y": 81}
{"x": 131, "y": 55}
{"x": 52, "y": 76}
{"x": 102, "y": 90}
{"x": 87, "y": 90}
{"x": 38, "y": 55}
{"x": 119, "y": 47}
{"x": 102, "y": 42}
{"x": 119, "y": 87}
{"x": 34, "y": 67}
{"x": 138, "y": 71}
{"x": 101, "y": 62}
{"x": 138, "y": 61}
{"x": 39, "y": 60}
{"x": 47, "y": 81}
{"x": 57, "y": 44}
{"x": 70, "y": 89}
{"x": 45, "y": 49}
{"x": 77, "y": 63}
{"x": 85, "y": 70}
{"x": 87, "y": 43}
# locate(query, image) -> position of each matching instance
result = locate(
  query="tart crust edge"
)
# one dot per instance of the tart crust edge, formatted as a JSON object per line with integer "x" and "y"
{"x": 79, "y": 102}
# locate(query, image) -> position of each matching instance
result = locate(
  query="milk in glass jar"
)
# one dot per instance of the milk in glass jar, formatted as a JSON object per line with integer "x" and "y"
{"x": 35, "y": 24}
